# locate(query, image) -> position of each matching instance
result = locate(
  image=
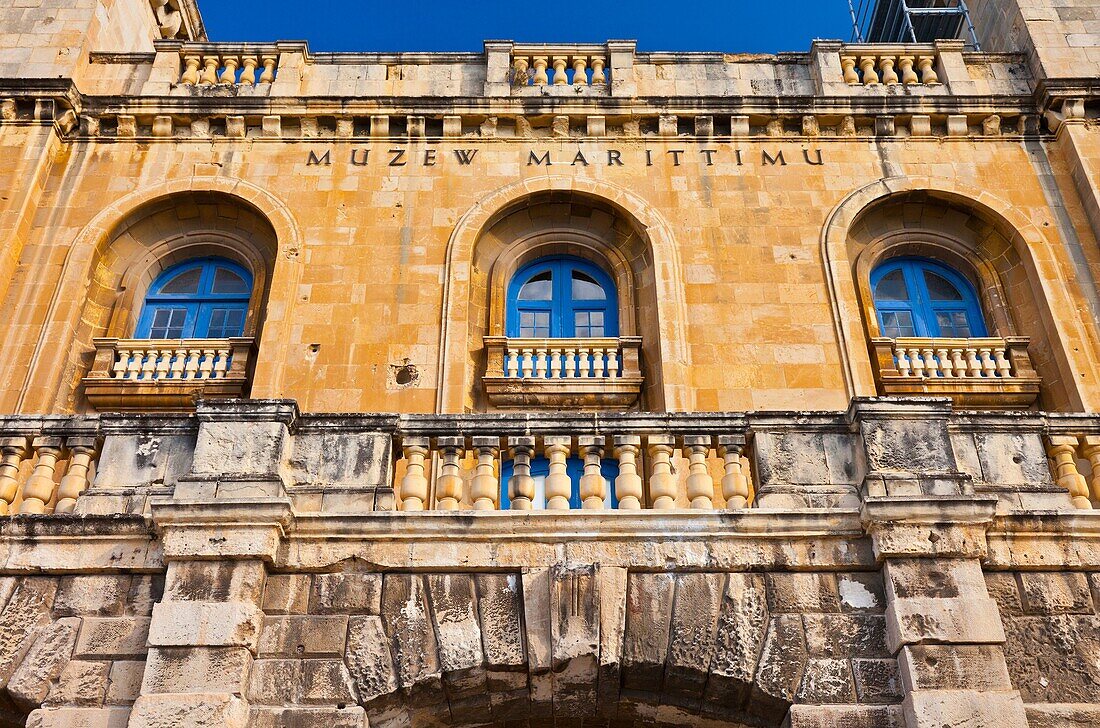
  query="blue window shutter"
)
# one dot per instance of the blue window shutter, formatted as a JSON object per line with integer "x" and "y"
{"x": 562, "y": 309}
{"x": 926, "y": 314}
{"x": 200, "y": 304}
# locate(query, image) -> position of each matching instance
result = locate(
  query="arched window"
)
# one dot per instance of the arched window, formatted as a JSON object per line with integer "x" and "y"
{"x": 200, "y": 299}
{"x": 922, "y": 298}
{"x": 562, "y": 297}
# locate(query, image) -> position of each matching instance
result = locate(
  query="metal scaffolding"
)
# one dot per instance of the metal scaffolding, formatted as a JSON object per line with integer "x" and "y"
{"x": 911, "y": 21}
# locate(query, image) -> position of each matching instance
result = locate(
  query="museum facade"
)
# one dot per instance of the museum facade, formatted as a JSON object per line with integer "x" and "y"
{"x": 553, "y": 384}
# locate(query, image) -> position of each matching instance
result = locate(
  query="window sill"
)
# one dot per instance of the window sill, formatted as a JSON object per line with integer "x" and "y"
{"x": 589, "y": 374}
{"x": 167, "y": 375}
{"x": 986, "y": 373}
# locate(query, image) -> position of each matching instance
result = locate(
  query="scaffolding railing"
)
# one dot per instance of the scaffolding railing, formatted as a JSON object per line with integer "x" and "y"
{"x": 911, "y": 21}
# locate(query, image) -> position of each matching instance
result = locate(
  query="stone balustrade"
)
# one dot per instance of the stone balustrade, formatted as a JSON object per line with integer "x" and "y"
{"x": 46, "y": 463}
{"x": 977, "y": 372}
{"x": 547, "y": 66}
{"x": 889, "y": 66}
{"x": 215, "y": 65}
{"x": 142, "y": 374}
{"x": 1073, "y": 449}
{"x": 603, "y": 373}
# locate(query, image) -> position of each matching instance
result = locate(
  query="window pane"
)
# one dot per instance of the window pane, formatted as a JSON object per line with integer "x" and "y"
{"x": 588, "y": 324}
{"x": 892, "y": 287}
{"x": 226, "y": 281}
{"x": 586, "y": 289}
{"x": 225, "y": 323}
{"x": 953, "y": 324}
{"x": 168, "y": 323}
{"x": 941, "y": 289}
{"x": 897, "y": 324}
{"x": 534, "y": 325}
{"x": 539, "y": 288}
{"x": 184, "y": 283}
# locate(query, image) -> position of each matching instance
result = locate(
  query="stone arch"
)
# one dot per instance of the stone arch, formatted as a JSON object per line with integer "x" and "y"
{"x": 463, "y": 314}
{"x": 263, "y": 237}
{"x": 1004, "y": 253}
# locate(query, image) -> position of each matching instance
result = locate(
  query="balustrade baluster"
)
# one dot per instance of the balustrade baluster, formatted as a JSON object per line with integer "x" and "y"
{"x": 700, "y": 485}
{"x": 735, "y": 485}
{"x": 1004, "y": 366}
{"x": 191, "y": 70}
{"x": 613, "y": 363}
{"x": 905, "y": 367}
{"x": 519, "y": 72}
{"x": 867, "y": 64}
{"x": 210, "y": 73}
{"x": 540, "y": 363}
{"x": 207, "y": 364}
{"x": 178, "y": 356}
{"x": 848, "y": 64}
{"x": 1091, "y": 451}
{"x": 889, "y": 75}
{"x": 1063, "y": 450}
{"x": 229, "y": 75}
{"x": 580, "y": 76}
{"x": 593, "y": 488}
{"x": 521, "y": 486}
{"x": 989, "y": 368}
{"x": 628, "y": 484}
{"x": 916, "y": 362}
{"x": 164, "y": 359}
{"x": 12, "y": 452}
{"x": 121, "y": 365}
{"x": 191, "y": 366}
{"x": 570, "y": 363}
{"x": 133, "y": 364}
{"x": 149, "y": 363}
{"x": 528, "y": 364}
{"x": 931, "y": 368}
{"x": 484, "y": 487}
{"x": 268, "y": 75}
{"x": 448, "y": 486}
{"x": 414, "y": 485}
{"x": 908, "y": 75}
{"x": 248, "y": 70}
{"x": 599, "y": 77}
{"x": 928, "y": 75}
{"x": 558, "y": 485}
{"x": 560, "y": 77}
{"x": 555, "y": 363}
{"x": 540, "y": 78}
{"x": 943, "y": 358}
{"x": 511, "y": 362}
{"x": 221, "y": 363}
{"x": 38, "y": 491}
{"x": 75, "y": 480}
{"x": 584, "y": 363}
{"x": 973, "y": 365}
{"x": 958, "y": 362}
{"x": 662, "y": 482}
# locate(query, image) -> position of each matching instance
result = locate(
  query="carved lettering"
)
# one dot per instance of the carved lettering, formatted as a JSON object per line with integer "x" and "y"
{"x": 768, "y": 159}
{"x": 675, "y": 156}
{"x": 325, "y": 159}
{"x": 465, "y": 156}
{"x": 429, "y": 157}
{"x": 534, "y": 159}
{"x": 709, "y": 154}
{"x": 579, "y": 159}
{"x": 818, "y": 163}
{"x": 398, "y": 158}
{"x": 614, "y": 158}
{"x": 355, "y": 157}
{"x": 648, "y": 158}
{"x": 740, "y": 162}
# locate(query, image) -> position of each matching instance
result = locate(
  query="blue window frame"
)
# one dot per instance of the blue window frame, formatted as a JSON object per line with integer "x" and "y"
{"x": 923, "y": 298}
{"x": 205, "y": 298}
{"x": 574, "y": 468}
{"x": 562, "y": 297}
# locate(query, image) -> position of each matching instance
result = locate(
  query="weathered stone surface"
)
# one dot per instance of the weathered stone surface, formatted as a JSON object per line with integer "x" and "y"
{"x": 303, "y": 636}
{"x": 612, "y": 592}
{"x": 91, "y": 595}
{"x": 861, "y": 592}
{"x": 26, "y": 612}
{"x": 81, "y": 683}
{"x": 1055, "y": 715}
{"x": 953, "y": 667}
{"x": 800, "y": 592}
{"x": 201, "y": 710}
{"x": 274, "y": 682}
{"x": 845, "y": 716}
{"x": 500, "y": 608}
{"x": 145, "y": 591}
{"x": 109, "y": 717}
{"x": 826, "y": 681}
{"x": 124, "y": 684}
{"x": 739, "y": 637}
{"x": 346, "y": 593}
{"x": 287, "y": 594}
{"x": 302, "y": 717}
{"x": 1054, "y": 659}
{"x": 461, "y": 656}
{"x": 782, "y": 661}
{"x": 934, "y": 578}
{"x": 1056, "y": 593}
{"x": 205, "y": 624}
{"x": 691, "y": 636}
{"x": 962, "y": 620}
{"x": 369, "y": 660}
{"x": 31, "y": 682}
{"x": 846, "y": 635}
{"x": 411, "y": 634}
{"x": 965, "y": 708}
{"x": 648, "y": 619}
{"x": 1005, "y": 590}
{"x": 197, "y": 670}
{"x": 215, "y": 581}
{"x": 114, "y": 638}
{"x": 575, "y": 638}
{"x": 326, "y": 682}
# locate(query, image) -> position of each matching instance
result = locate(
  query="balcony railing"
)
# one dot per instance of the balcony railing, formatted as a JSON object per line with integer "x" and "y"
{"x": 889, "y": 65}
{"x": 988, "y": 373}
{"x": 137, "y": 375}
{"x": 46, "y": 463}
{"x": 569, "y": 373}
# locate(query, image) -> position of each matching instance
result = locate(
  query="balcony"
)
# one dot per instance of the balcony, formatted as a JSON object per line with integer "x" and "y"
{"x": 168, "y": 375}
{"x": 589, "y": 374}
{"x": 985, "y": 373}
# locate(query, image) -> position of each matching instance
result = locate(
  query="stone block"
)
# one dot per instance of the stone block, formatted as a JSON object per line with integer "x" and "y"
{"x": 780, "y": 669}
{"x": 1005, "y": 590}
{"x": 205, "y": 624}
{"x": 346, "y": 593}
{"x": 303, "y": 636}
{"x": 934, "y": 578}
{"x": 461, "y": 655}
{"x": 845, "y": 635}
{"x": 797, "y": 592}
{"x": 499, "y": 608}
{"x": 326, "y": 682}
{"x": 1063, "y": 649}
{"x": 953, "y": 667}
{"x": 739, "y": 637}
{"x": 91, "y": 595}
{"x": 197, "y": 670}
{"x": 648, "y": 620}
{"x": 287, "y": 594}
{"x": 81, "y": 683}
{"x": 112, "y": 717}
{"x": 1071, "y": 715}
{"x": 845, "y": 716}
{"x": 691, "y": 642}
{"x": 301, "y": 717}
{"x": 335, "y": 459}
{"x": 195, "y": 710}
{"x": 369, "y": 659}
{"x": 959, "y": 620}
{"x": 826, "y": 681}
{"x": 964, "y": 708}
{"x": 876, "y": 681}
{"x": 255, "y": 447}
{"x": 141, "y": 460}
{"x": 24, "y": 616}
{"x": 145, "y": 591}
{"x": 409, "y": 628}
{"x": 30, "y": 683}
{"x": 124, "y": 684}
{"x": 861, "y": 592}
{"x": 1064, "y": 592}
{"x": 112, "y": 638}
{"x": 215, "y": 581}
{"x": 274, "y": 682}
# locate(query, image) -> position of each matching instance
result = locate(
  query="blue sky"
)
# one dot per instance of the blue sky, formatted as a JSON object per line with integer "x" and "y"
{"x": 731, "y": 26}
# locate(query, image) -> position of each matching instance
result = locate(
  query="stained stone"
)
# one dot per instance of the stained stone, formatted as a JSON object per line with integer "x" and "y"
{"x": 368, "y": 658}
{"x": 30, "y": 683}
